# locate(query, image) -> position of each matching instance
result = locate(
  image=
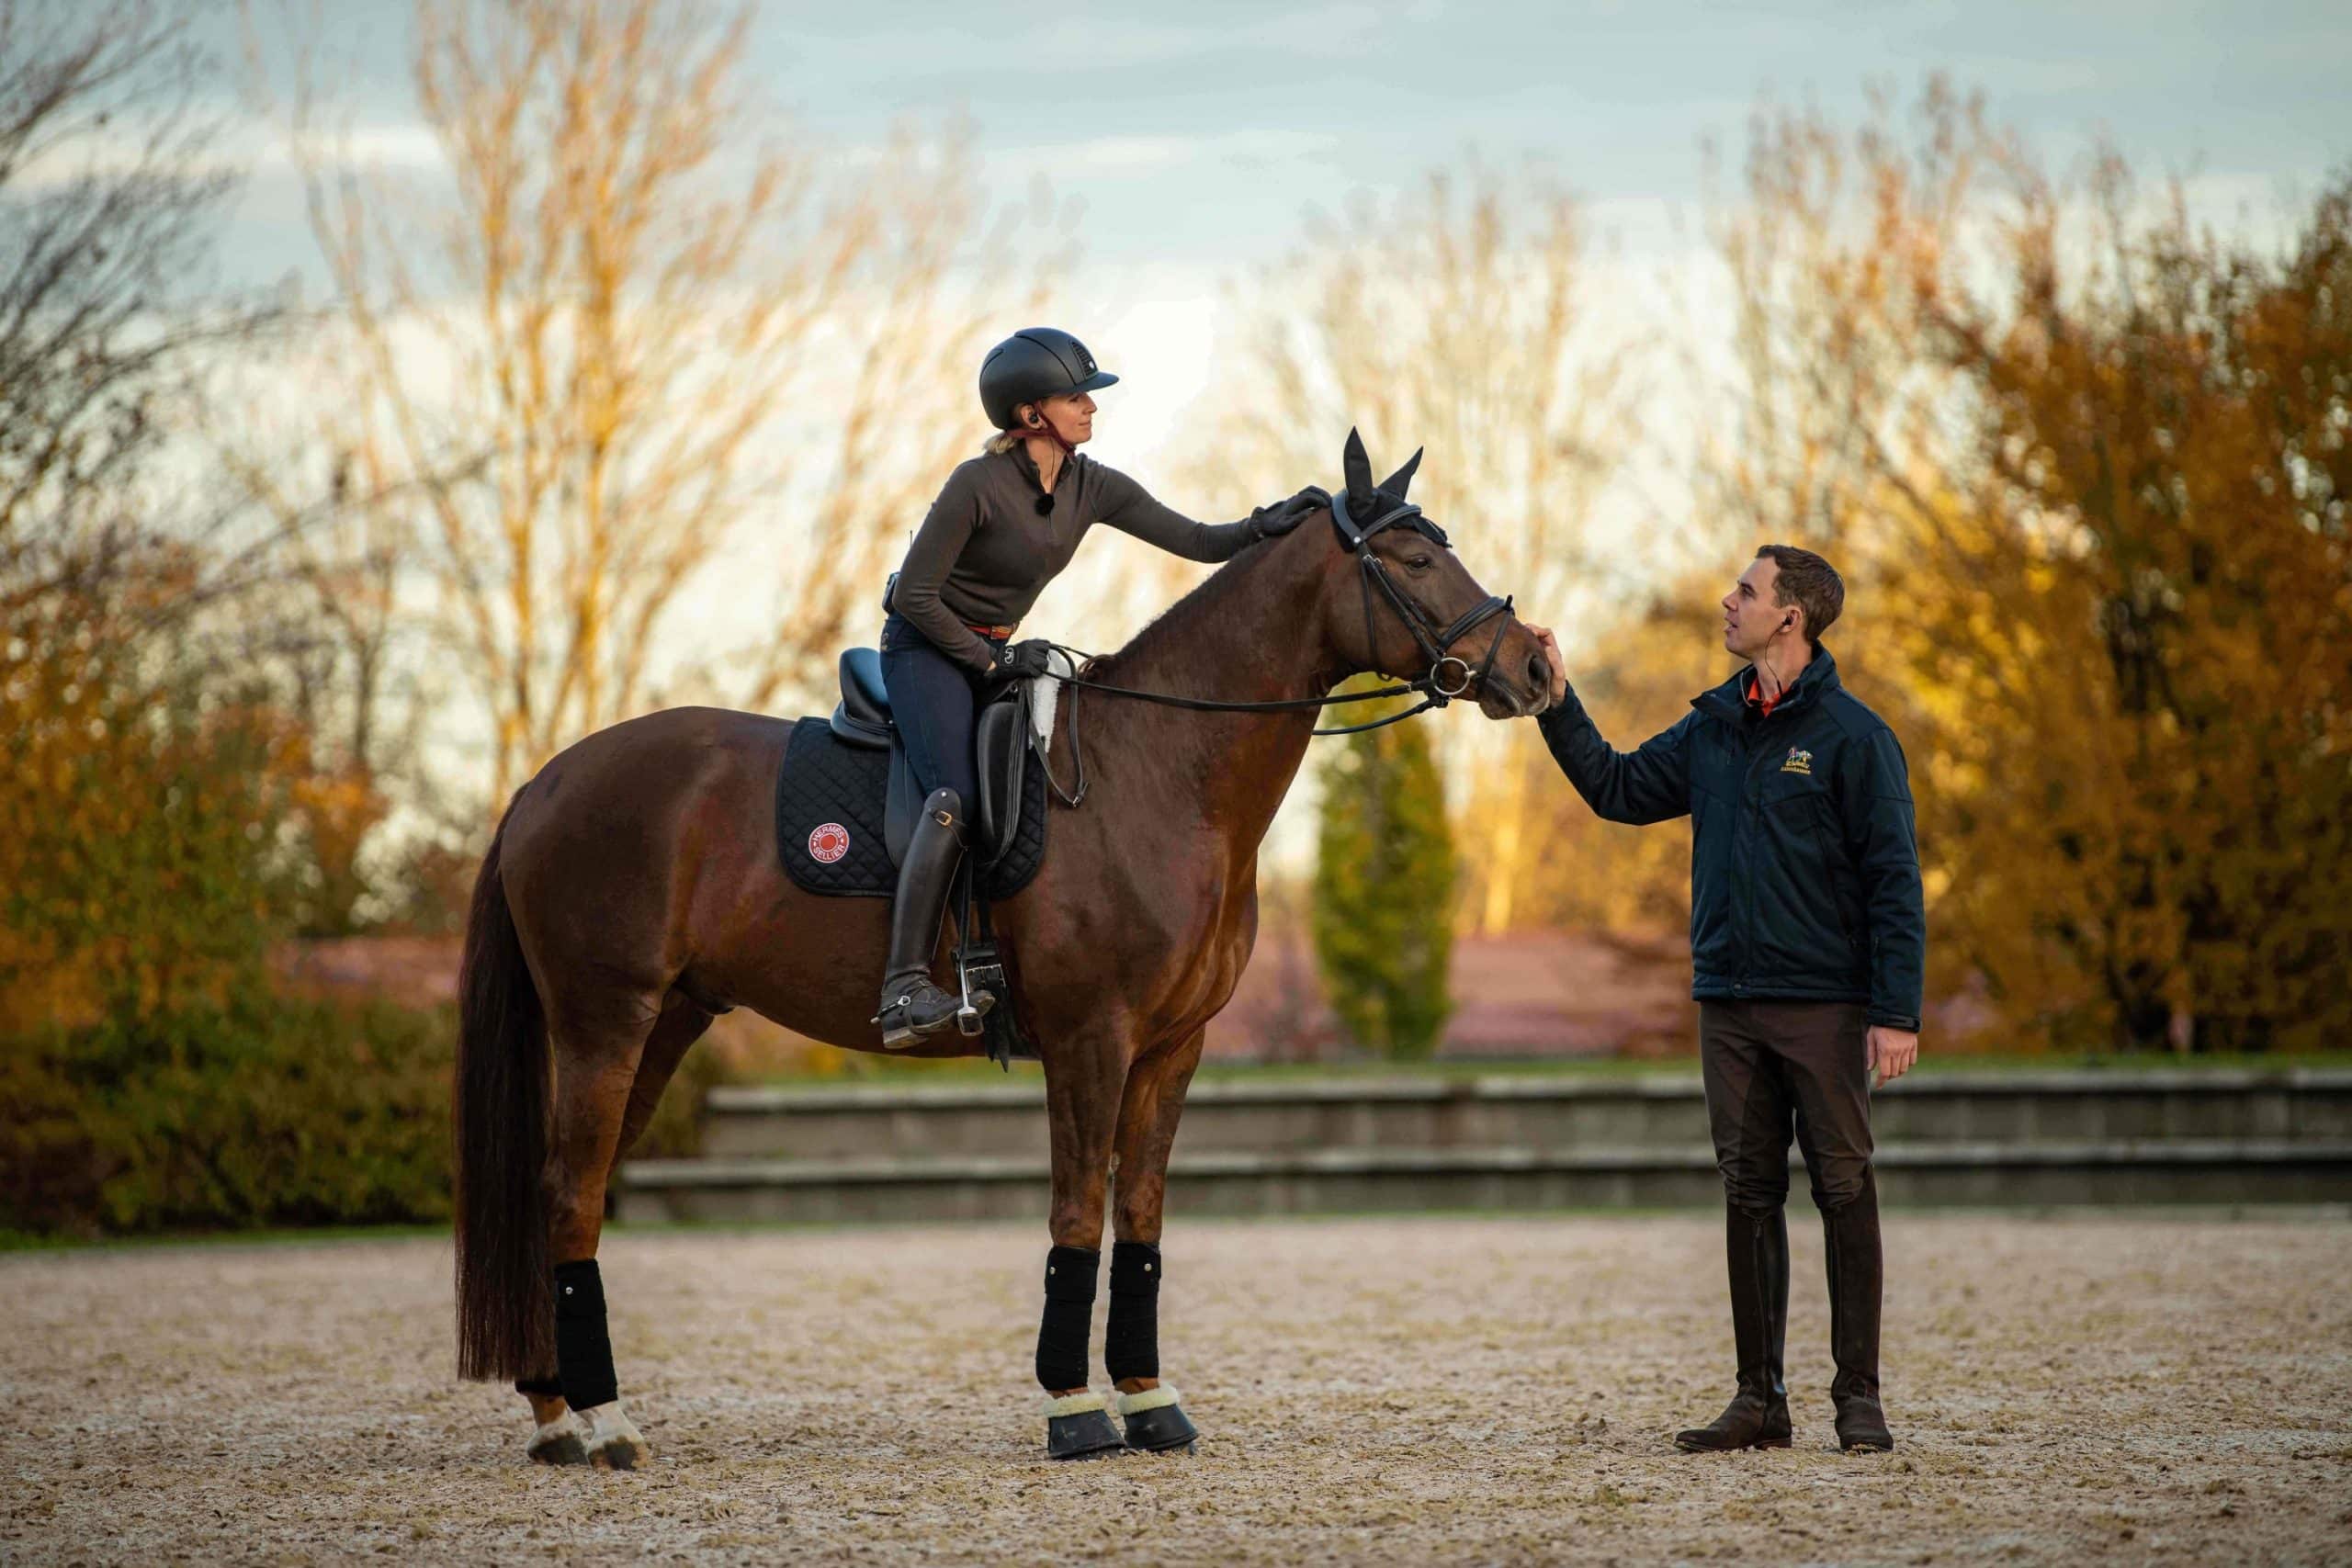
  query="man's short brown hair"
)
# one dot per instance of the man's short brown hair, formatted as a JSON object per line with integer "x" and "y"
{"x": 1810, "y": 584}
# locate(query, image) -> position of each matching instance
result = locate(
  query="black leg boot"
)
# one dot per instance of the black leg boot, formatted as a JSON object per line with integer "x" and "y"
{"x": 1856, "y": 1274}
{"x": 1757, "y": 1247}
{"x": 913, "y": 1005}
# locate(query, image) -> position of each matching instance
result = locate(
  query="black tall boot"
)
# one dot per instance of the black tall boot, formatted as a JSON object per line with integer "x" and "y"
{"x": 1757, "y": 1247}
{"x": 1857, "y": 1270}
{"x": 912, "y": 1006}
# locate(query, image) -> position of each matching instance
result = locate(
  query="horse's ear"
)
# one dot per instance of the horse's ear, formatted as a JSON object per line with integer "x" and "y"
{"x": 1355, "y": 467}
{"x": 1398, "y": 482}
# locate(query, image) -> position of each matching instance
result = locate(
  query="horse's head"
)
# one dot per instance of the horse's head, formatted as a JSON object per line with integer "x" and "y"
{"x": 1397, "y": 601}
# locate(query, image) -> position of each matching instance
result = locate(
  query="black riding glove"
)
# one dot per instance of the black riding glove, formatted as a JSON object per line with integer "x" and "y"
{"x": 1034, "y": 656}
{"x": 1284, "y": 516}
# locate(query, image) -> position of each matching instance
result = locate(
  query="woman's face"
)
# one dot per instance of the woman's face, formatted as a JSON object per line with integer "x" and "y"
{"x": 1071, "y": 414}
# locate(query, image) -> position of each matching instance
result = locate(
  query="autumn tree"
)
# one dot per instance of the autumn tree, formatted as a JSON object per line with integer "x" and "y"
{"x": 2166, "y": 417}
{"x": 1456, "y": 317}
{"x": 638, "y": 321}
{"x": 2084, "y": 468}
{"x": 148, "y": 775}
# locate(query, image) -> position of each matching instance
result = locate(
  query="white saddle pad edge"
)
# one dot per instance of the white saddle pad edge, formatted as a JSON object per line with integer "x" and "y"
{"x": 1045, "y": 691}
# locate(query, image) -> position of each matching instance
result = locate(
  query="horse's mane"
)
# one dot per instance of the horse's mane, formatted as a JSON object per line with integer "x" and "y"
{"x": 1182, "y": 619}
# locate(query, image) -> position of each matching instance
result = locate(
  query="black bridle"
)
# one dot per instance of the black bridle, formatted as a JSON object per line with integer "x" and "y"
{"x": 1431, "y": 639}
{"x": 1427, "y": 637}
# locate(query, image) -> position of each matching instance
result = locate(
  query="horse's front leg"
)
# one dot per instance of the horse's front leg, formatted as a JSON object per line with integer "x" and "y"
{"x": 1083, "y": 1084}
{"x": 1150, "y": 1106}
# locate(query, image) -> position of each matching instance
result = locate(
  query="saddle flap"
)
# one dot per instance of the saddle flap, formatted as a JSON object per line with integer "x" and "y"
{"x": 1002, "y": 746}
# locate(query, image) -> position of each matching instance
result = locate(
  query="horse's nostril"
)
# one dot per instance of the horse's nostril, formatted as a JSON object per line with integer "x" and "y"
{"x": 1539, "y": 673}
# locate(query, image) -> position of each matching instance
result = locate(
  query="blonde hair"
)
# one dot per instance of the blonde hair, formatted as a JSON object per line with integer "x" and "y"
{"x": 1004, "y": 441}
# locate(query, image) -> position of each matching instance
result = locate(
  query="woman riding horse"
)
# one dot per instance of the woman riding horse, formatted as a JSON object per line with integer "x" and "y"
{"x": 1004, "y": 526}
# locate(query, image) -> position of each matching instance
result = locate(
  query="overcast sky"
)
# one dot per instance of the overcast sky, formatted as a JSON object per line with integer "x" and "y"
{"x": 1202, "y": 132}
{"x": 1194, "y": 140}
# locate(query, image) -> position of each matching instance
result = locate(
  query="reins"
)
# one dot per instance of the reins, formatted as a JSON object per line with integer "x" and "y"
{"x": 1434, "y": 690}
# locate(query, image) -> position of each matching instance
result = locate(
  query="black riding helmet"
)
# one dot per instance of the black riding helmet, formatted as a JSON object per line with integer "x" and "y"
{"x": 1033, "y": 365}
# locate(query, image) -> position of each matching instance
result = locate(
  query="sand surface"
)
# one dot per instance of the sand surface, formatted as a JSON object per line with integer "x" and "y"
{"x": 2126, "y": 1389}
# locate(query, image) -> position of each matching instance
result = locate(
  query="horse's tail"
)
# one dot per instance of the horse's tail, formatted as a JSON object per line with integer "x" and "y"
{"x": 505, "y": 1312}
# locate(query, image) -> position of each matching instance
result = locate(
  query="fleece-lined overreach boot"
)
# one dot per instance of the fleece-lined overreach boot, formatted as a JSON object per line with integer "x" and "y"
{"x": 1857, "y": 1270}
{"x": 913, "y": 1005}
{"x": 1757, "y": 1248}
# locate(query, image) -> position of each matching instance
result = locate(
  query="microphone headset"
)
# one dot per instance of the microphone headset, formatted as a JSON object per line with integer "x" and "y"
{"x": 1045, "y": 503}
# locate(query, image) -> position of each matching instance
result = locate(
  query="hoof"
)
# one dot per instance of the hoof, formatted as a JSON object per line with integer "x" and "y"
{"x": 614, "y": 1442}
{"x": 1156, "y": 1423}
{"x": 1079, "y": 1427}
{"x": 620, "y": 1454}
{"x": 560, "y": 1441}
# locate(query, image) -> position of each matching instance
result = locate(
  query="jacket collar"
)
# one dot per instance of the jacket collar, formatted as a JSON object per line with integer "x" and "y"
{"x": 1729, "y": 701}
{"x": 1019, "y": 452}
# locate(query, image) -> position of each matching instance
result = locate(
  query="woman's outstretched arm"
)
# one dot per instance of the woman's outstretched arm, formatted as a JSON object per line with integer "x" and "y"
{"x": 1131, "y": 509}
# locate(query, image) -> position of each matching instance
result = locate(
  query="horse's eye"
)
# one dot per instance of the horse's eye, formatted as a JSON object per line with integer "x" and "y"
{"x": 1417, "y": 563}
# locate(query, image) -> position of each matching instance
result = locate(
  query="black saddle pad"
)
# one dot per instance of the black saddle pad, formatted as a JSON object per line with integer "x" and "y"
{"x": 829, "y": 806}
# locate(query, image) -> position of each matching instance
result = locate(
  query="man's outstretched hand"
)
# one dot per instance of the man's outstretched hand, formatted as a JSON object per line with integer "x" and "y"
{"x": 1551, "y": 654}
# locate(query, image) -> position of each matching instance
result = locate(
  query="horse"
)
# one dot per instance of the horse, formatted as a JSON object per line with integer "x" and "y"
{"x": 632, "y": 890}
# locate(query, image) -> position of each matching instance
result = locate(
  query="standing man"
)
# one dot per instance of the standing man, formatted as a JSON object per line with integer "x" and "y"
{"x": 1807, "y": 943}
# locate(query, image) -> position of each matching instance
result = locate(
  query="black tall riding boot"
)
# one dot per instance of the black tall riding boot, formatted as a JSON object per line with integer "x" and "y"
{"x": 912, "y": 1006}
{"x": 1757, "y": 1247}
{"x": 1857, "y": 1270}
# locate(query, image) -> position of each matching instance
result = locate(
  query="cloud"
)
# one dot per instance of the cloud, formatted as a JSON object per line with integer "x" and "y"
{"x": 246, "y": 147}
{"x": 1114, "y": 157}
{"x": 404, "y": 145}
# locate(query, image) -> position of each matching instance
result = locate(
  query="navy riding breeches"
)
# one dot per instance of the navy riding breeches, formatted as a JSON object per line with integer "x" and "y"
{"x": 933, "y": 699}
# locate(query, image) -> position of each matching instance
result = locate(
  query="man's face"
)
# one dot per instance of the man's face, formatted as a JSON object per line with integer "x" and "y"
{"x": 1752, "y": 611}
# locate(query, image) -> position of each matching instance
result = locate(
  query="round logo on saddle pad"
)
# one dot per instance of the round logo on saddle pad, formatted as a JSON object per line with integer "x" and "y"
{"x": 828, "y": 841}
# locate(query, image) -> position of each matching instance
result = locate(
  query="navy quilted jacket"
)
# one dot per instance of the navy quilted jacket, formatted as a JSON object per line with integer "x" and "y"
{"x": 1804, "y": 872}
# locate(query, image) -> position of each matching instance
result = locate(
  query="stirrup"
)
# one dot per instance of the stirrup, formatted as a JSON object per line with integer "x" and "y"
{"x": 901, "y": 1028}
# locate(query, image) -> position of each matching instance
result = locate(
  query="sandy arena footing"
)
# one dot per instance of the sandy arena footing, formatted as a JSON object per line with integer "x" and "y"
{"x": 1432, "y": 1389}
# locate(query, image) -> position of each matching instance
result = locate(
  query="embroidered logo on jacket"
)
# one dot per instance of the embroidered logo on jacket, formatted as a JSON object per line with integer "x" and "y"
{"x": 1798, "y": 763}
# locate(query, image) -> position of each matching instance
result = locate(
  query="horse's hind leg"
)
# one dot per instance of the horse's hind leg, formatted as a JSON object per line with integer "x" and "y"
{"x": 598, "y": 1049}
{"x": 1149, "y": 1111}
{"x": 681, "y": 1024}
{"x": 560, "y": 1438}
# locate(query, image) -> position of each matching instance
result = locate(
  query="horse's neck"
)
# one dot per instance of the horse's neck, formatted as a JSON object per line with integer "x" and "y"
{"x": 1248, "y": 635}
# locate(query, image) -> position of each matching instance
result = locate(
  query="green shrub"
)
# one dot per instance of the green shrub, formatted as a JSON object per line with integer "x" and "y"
{"x": 264, "y": 1111}
{"x": 267, "y": 1111}
{"x": 1384, "y": 872}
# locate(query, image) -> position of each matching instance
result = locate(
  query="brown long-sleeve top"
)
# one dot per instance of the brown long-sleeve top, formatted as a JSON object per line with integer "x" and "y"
{"x": 984, "y": 552}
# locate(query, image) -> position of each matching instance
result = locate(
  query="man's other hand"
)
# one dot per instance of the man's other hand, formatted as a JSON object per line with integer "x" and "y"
{"x": 1892, "y": 1052}
{"x": 1551, "y": 654}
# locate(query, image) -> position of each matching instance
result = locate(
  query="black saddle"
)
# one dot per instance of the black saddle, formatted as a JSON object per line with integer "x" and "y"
{"x": 1000, "y": 743}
